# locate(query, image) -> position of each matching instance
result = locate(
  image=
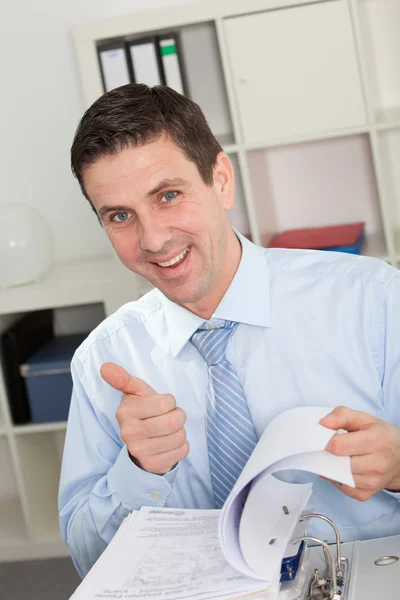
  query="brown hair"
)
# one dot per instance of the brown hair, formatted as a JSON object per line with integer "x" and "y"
{"x": 135, "y": 114}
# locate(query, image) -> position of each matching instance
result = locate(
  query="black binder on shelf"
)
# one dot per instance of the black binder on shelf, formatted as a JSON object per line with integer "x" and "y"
{"x": 114, "y": 65}
{"x": 145, "y": 61}
{"x": 18, "y": 343}
{"x": 172, "y": 64}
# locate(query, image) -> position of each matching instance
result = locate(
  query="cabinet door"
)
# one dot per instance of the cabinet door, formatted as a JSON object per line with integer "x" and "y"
{"x": 295, "y": 71}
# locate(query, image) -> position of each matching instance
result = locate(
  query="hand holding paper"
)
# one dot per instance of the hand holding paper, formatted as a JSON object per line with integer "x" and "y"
{"x": 374, "y": 448}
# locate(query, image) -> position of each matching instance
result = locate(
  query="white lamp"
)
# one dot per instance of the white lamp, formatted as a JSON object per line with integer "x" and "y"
{"x": 26, "y": 244}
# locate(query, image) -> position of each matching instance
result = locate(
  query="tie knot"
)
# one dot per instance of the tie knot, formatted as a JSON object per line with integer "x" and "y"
{"x": 211, "y": 339}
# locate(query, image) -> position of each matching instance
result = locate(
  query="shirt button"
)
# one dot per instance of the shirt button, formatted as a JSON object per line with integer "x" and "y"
{"x": 155, "y": 495}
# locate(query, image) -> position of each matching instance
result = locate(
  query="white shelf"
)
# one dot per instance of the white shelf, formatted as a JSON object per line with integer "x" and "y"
{"x": 71, "y": 283}
{"x": 308, "y": 137}
{"x": 375, "y": 245}
{"x": 12, "y": 526}
{"x": 39, "y": 460}
{"x": 16, "y": 550}
{"x": 227, "y": 142}
{"x": 238, "y": 214}
{"x": 389, "y": 152}
{"x": 378, "y": 24}
{"x": 387, "y": 118}
{"x": 39, "y": 428}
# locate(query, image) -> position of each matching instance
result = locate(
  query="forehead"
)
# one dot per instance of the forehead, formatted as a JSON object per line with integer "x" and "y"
{"x": 141, "y": 166}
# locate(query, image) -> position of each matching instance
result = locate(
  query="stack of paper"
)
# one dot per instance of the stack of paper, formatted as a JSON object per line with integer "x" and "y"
{"x": 167, "y": 553}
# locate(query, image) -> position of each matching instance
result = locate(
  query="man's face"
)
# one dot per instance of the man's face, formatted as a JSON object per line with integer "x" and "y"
{"x": 165, "y": 223}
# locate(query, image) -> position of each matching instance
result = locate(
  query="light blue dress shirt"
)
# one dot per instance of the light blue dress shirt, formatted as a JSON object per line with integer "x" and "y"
{"x": 315, "y": 329}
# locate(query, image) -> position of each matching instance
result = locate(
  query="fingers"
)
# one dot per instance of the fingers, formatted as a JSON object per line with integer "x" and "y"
{"x": 137, "y": 407}
{"x": 155, "y": 427}
{"x": 346, "y": 418}
{"x": 163, "y": 462}
{"x": 370, "y": 471}
{"x": 359, "y": 443}
{"x": 151, "y": 446}
{"x": 122, "y": 381}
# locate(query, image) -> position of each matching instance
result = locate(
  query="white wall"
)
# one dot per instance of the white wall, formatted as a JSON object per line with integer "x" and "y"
{"x": 40, "y": 106}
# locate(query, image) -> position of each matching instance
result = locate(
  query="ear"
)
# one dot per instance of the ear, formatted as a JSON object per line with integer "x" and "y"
{"x": 224, "y": 180}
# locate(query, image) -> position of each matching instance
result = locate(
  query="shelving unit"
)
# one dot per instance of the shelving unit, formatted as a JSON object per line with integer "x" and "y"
{"x": 81, "y": 294}
{"x": 283, "y": 96}
{"x": 304, "y": 96}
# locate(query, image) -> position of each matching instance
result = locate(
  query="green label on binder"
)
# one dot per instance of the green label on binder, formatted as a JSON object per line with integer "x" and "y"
{"x": 170, "y": 49}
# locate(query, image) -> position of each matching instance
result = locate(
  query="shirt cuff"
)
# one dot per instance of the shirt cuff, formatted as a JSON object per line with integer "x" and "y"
{"x": 135, "y": 487}
{"x": 394, "y": 494}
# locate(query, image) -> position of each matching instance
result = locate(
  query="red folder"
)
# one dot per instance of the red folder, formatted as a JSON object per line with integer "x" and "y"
{"x": 319, "y": 237}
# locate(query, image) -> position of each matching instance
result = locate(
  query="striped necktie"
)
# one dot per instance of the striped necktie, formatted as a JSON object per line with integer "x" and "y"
{"x": 231, "y": 436}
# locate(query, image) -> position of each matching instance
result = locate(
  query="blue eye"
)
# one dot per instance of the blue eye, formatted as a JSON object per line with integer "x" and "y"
{"x": 120, "y": 217}
{"x": 169, "y": 196}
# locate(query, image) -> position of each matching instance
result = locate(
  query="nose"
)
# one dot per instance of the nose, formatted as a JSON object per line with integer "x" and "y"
{"x": 154, "y": 234}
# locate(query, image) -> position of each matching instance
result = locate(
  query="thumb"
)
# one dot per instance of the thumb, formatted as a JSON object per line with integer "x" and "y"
{"x": 123, "y": 381}
{"x": 348, "y": 419}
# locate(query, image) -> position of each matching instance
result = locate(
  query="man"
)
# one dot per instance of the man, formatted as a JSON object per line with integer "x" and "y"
{"x": 172, "y": 392}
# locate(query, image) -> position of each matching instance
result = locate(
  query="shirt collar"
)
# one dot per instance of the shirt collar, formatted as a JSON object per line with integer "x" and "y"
{"x": 247, "y": 300}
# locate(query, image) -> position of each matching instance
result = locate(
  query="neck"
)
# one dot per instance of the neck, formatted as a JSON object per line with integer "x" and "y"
{"x": 206, "y": 307}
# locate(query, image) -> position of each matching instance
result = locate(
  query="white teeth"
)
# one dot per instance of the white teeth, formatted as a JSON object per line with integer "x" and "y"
{"x": 175, "y": 260}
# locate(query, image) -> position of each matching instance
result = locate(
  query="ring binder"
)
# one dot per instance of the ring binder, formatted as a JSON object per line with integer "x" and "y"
{"x": 172, "y": 62}
{"x": 146, "y": 62}
{"x": 333, "y": 584}
{"x": 114, "y": 65}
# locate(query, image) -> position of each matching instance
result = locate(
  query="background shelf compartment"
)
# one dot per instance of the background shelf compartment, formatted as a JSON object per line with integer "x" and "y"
{"x": 238, "y": 214}
{"x": 389, "y": 150}
{"x": 379, "y": 22}
{"x": 280, "y": 97}
{"x": 13, "y": 529}
{"x": 205, "y": 78}
{"x": 317, "y": 184}
{"x": 202, "y": 73}
{"x": 39, "y": 456}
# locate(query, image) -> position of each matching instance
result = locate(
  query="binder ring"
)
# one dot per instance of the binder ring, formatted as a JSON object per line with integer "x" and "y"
{"x": 329, "y": 553}
{"x": 336, "y": 530}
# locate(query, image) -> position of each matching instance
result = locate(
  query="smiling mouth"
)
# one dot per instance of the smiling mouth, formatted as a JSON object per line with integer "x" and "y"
{"x": 175, "y": 261}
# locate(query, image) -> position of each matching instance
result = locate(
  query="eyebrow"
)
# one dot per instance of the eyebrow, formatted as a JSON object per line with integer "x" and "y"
{"x": 166, "y": 183}
{"x": 104, "y": 210}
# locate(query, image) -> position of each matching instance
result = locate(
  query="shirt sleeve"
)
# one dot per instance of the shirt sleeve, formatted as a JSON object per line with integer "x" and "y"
{"x": 391, "y": 359}
{"x": 99, "y": 484}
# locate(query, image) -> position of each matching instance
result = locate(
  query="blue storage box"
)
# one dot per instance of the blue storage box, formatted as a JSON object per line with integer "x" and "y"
{"x": 48, "y": 380}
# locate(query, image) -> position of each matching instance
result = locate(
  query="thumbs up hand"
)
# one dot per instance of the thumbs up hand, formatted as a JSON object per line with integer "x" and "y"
{"x": 151, "y": 425}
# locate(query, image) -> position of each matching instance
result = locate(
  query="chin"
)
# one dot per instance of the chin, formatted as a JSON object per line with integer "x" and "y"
{"x": 183, "y": 296}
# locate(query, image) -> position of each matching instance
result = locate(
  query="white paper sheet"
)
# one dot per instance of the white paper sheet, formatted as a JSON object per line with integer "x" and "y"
{"x": 177, "y": 555}
{"x": 293, "y": 440}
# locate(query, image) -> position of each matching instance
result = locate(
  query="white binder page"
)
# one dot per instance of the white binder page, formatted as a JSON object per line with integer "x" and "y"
{"x": 293, "y": 440}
